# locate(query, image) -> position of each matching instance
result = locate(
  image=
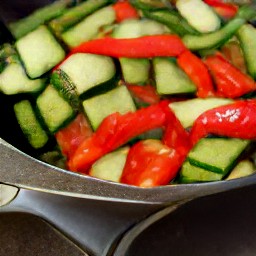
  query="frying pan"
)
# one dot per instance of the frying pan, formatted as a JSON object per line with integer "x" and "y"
{"x": 101, "y": 217}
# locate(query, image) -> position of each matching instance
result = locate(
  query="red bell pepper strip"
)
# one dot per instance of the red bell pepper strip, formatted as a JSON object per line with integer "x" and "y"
{"x": 114, "y": 131}
{"x": 142, "y": 47}
{"x": 237, "y": 120}
{"x": 233, "y": 53}
{"x": 70, "y": 137}
{"x": 198, "y": 73}
{"x": 175, "y": 136}
{"x": 124, "y": 10}
{"x": 145, "y": 93}
{"x": 230, "y": 81}
{"x": 150, "y": 163}
{"x": 225, "y": 10}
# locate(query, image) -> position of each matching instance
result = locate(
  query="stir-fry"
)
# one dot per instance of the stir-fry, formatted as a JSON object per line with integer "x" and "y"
{"x": 142, "y": 92}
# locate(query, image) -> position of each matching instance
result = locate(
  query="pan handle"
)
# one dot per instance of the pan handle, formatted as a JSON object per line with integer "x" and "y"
{"x": 96, "y": 226}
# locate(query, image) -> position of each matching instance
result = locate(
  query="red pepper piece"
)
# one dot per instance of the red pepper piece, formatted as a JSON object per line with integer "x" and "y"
{"x": 70, "y": 137}
{"x": 150, "y": 163}
{"x": 198, "y": 73}
{"x": 225, "y": 10}
{"x": 237, "y": 120}
{"x": 230, "y": 81}
{"x": 114, "y": 131}
{"x": 124, "y": 10}
{"x": 142, "y": 47}
{"x": 175, "y": 136}
{"x": 145, "y": 93}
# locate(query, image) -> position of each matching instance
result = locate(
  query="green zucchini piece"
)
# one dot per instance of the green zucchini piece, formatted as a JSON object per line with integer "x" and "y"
{"x": 110, "y": 166}
{"x": 170, "y": 79}
{"x": 218, "y": 38}
{"x": 61, "y": 81}
{"x": 54, "y": 109}
{"x": 39, "y": 51}
{"x": 135, "y": 71}
{"x": 242, "y": 169}
{"x": 196, "y": 11}
{"x": 191, "y": 174}
{"x": 89, "y": 27}
{"x": 87, "y": 71}
{"x": 150, "y": 4}
{"x": 173, "y": 20}
{"x": 23, "y": 26}
{"x": 13, "y": 78}
{"x": 247, "y": 37}
{"x": 187, "y": 111}
{"x": 99, "y": 107}
{"x": 33, "y": 131}
{"x": 217, "y": 154}
{"x": 133, "y": 28}
{"x": 75, "y": 14}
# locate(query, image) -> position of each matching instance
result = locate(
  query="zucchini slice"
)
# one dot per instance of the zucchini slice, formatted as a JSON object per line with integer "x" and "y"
{"x": 217, "y": 154}
{"x": 110, "y": 166}
{"x": 187, "y": 111}
{"x": 13, "y": 78}
{"x": 87, "y": 71}
{"x": 89, "y": 27}
{"x": 54, "y": 109}
{"x": 116, "y": 100}
{"x": 33, "y": 131}
{"x": 190, "y": 174}
{"x": 170, "y": 79}
{"x": 39, "y": 51}
{"x": 247, "y": 37}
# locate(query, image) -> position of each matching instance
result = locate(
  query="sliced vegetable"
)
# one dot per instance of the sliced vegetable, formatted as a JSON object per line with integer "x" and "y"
{"x": 75, "y": 14}
{"x": 197, "y": 72}
{"x": 230, "y": 81}
{"x": 124, "y": 10}
{"x": 145, "y": 93}
{"x": 29, "y": 124}
{"x": 172, "y": 20}
{"x": 247, "y": 35}
{"x": 54, "y": 109}
{"x": 235, "y": 120}
{"x": 110, "y": 166}
{"x": 242, "y": 169}
{"x": 88, "y": 71}
{"x": 150, "y": 163}
{"x": 89, "y": 27}
{"x": 196, "y": 11}
{"x": 217, "y": 154}
{"x": 13, "y": 78}
{"x": 187, "y": 111}
{"x": 224, "y": 10}
{"x": 190, "y": 174}
{"x": 100, "y": 106}
{"x": 143, "y": 47}
{"x": 39, "y": 51}
{"x": 70, "y": 137}
{"x": 170, "y": 79}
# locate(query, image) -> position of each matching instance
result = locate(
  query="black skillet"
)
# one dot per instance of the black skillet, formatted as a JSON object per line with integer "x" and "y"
{"x": 101, "y": 217}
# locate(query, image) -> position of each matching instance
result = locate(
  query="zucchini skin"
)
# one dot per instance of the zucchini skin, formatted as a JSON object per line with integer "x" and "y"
{"x": 219, "y": 37}
{"x": 172, "y": 20}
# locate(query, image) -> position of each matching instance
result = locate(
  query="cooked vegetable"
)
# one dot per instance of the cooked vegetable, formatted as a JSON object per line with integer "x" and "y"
{"x": 146, "y": 93}
{"x": 39, "y": 51}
